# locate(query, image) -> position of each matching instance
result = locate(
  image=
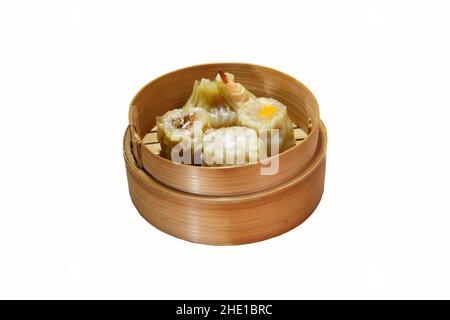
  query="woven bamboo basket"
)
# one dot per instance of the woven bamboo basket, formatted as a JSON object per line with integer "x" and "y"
{"x": 225, "y": 205}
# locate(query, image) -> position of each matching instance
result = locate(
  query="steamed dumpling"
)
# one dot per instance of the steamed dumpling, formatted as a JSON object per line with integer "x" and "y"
{"x": 233, "y": 92}
{"x": 205, "y": 95}
{"x": 230, "y": 146}
{"x": 222, "y": 116}
{"x": 221, "y": 92}
{"x": 220, "y": 98}
{"x": 178, "y": 124}
{"x": 264, "y": 114}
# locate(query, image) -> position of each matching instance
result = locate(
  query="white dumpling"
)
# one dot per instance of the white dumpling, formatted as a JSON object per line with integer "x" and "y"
{"x": 230, "y": 146}
{"x": 222, "y": 116}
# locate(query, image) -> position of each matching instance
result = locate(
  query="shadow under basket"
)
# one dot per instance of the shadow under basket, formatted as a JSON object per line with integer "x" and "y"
{"x": 225, "y": 205}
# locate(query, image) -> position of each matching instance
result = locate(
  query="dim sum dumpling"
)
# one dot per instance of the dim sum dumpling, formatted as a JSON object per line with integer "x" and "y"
{"x": 230, "y": 146}
{"x": 221, "y": 92}
{"x": 222, "y": 116}
{"x": 220, "y": 97}
{"x": 233, "y": 92}
{"x": 178, "y": 124}
{"x": 264, "y": 114}
{"x": 205, "y": 95}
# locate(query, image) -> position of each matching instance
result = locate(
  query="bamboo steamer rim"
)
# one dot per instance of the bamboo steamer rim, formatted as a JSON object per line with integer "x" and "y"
{"x": 319, "y": 156}
{"x": 313, "y": 131}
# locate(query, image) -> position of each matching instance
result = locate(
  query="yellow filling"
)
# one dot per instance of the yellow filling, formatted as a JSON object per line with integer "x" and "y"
{"x": 267, "y": 111}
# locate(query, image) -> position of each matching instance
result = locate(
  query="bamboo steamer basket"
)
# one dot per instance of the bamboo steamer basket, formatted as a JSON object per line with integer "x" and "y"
{"x": 227, "y": 220}
{"x": 226, "y": 205}
{"x": 173, "y": 89}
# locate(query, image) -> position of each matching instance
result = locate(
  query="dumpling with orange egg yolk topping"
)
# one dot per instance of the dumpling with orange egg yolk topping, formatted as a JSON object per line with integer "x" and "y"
{"x": 264, "y": 114}
{"x": 178, "y": 124}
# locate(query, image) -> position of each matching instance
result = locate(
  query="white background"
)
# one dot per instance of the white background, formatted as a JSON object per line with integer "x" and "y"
{"x": 380, "y": 71}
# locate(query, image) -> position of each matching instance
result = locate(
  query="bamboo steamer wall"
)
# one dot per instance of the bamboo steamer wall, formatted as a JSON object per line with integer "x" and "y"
{"x": 226, "y": 205}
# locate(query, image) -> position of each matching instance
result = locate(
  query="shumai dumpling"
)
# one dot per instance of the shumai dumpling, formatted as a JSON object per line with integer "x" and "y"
{"x": 176, "y": 126}
{"x": 230, "y": 146}
{"x": 220, "y": 97}
{"x": 264, "y": 114}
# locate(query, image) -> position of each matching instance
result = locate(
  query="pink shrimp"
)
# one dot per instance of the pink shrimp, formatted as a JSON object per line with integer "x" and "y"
{"x": 236, "y": 90}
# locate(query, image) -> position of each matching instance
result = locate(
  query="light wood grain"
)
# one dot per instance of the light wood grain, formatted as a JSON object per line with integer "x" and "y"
{"x": 228, "y": 220}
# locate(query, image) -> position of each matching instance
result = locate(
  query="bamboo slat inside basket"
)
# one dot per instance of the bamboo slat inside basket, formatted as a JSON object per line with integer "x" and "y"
{"x": 150, "y": 140}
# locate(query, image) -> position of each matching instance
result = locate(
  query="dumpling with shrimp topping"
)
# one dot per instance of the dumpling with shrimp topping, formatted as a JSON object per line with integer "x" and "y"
{"x": 205, "y": 95}
{"x": 220, "y": 97}
{"x": 265, "y": 114}
{"x": 178, "y": 125}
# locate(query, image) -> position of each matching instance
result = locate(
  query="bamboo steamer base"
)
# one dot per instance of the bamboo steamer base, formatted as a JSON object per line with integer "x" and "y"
{"x": 227, "y": 220}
